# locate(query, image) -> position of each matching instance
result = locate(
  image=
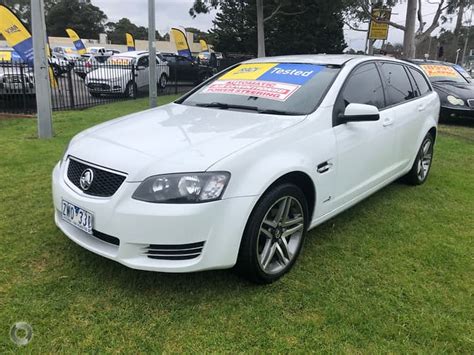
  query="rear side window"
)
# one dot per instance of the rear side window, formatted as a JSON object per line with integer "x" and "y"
{"x": 420, "y": 80}
{"x": 364, "y": 87}
{"x": 397, "y": 84}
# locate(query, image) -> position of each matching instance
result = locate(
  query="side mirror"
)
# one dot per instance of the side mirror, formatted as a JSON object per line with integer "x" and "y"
{"x": 360, "y": 113}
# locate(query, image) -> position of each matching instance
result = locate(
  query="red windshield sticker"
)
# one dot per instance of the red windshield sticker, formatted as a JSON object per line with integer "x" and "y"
{"x": 263, "y": 89}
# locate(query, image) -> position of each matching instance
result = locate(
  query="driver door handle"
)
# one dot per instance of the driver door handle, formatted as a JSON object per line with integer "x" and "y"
{"x": 421, "y": 107}
{"x": 387, "y": 121}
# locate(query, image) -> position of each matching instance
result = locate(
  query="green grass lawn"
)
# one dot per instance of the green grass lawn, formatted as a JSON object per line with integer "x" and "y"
{"x": 393, "y": 274}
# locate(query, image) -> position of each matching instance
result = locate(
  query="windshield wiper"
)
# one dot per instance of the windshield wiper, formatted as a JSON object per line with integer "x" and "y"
{"x": 224, "y": 106}
{"x": 227, "y": 106}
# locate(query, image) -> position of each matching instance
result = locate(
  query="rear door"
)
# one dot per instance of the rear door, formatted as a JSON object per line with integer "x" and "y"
{"x": 365, "y": 150}
{"x": 402, "y": 96}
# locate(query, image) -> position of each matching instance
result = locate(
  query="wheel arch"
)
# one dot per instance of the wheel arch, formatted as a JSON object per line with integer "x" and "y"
{"x": 301, "y": 180}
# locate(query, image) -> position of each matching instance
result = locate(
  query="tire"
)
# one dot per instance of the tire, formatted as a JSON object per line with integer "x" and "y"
{"x": 57, "y": 70}
{"x": 263, "y": 257}
{"x": 163, "y": 81}
{"x": 422, "y": 164}
{"x": 130, "y": 90}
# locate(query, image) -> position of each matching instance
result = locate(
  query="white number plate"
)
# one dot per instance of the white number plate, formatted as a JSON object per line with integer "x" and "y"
{"x": 77, "y": 216}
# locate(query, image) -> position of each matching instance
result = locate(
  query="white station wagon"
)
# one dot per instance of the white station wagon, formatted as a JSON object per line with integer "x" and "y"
{"x": 237, "y": 171}
{"x": 126, "y": 73}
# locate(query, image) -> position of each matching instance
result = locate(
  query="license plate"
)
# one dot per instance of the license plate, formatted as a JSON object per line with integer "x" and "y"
{"x": 77, "y": 216}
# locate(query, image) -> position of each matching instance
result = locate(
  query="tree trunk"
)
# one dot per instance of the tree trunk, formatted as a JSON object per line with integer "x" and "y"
{"x": 409, "y": 35}
{"x": 260, "y": 30}
{"x": 457, "y": 29}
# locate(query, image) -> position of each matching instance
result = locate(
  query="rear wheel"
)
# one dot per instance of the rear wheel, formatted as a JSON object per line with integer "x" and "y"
{"x": 274, "y": 234}
{"x": 163, "y": 81}
{"x": 422, "y": 164}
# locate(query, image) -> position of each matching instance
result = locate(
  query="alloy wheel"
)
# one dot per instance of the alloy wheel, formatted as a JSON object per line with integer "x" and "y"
{"x": 280, "y": 235}
{"x": 424, "y": 161}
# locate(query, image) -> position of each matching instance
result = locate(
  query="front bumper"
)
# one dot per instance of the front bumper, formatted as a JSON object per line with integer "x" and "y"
{"x": 137, "y": 225}
{"x": 449, "y": 113}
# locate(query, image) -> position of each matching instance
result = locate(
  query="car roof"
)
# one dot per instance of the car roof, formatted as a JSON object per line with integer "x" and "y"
{"x": 334, "y": 59}
{"x": 429, "y": 61}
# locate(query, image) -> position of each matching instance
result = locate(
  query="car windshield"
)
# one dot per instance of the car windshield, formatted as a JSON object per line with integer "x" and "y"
{"x": 442, "y": 72}
{"x": 274, "y": 88}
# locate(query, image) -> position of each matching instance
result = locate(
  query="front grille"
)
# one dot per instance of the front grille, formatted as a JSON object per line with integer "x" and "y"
{"x": 98, "y": 86}
{"x": 174, "y": 251}
{"x": 104, "y": 183}
{"x": 105, "y": 237}
{"x": 470, "y": 102}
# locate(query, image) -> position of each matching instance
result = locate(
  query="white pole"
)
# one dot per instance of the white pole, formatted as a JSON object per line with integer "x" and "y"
{"x": 152, "y": 51}
{"x": 41, "y": 68}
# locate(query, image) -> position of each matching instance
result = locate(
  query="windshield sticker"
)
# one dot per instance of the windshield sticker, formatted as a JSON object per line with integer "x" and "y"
{"x": 263, "y": 89}
{"x": 439, "y": 70}
{"x": 274, "y": 81}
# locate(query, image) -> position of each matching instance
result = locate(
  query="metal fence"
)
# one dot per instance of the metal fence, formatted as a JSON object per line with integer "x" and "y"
{"x": 81, "y": 84}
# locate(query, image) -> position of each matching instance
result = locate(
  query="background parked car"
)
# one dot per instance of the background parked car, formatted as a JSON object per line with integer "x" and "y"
{"x": 454, "y": 87}
{"x": 102, "y": 51}
{"x": 88, "y": 62}
{"x": 184, "y": 70}
{"x": 126, "y": 73}
{"x": 66, "y": 53}
{"x": 16, "y": 80}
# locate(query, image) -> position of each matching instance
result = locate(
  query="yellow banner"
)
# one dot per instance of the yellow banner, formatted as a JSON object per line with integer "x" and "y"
{"x": 78, "y": 44}
{"x": 204, "y": 46}
{"x": 16, "y": 34}
{"x": 130, "y": 42}
{"x": 181, "y": 42}
{"x": 5, "y": 55}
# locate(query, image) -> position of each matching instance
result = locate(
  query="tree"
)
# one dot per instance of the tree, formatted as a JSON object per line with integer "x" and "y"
{"x": 116, "y": 31}
{"x": 358, "y": 11}
{"x": 274, "y": 8}
{"x": 86, "y": 19}
{"x": 317, "y": 25}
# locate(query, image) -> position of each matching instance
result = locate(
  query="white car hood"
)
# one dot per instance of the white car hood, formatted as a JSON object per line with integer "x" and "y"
{"x": 174, "y": 138}
{"x": 109, "y": 73}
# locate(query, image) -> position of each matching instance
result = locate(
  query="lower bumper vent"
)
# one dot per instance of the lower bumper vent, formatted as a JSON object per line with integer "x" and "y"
{"x": 105, "y": 237}
{"x": 174, "y": 251}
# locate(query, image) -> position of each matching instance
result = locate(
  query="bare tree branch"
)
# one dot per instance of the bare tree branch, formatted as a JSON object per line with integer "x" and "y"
{"x": 434, "y": 23}
{"x": 355, "y": 28}
{"x": 273, "y": 13}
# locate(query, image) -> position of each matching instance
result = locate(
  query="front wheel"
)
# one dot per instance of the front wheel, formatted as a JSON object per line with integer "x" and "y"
{"x": 422, "y": 164}
{"x": 274, "y": 234}
{"x": 163, "y": 81}
{"x": 131, "y": 90}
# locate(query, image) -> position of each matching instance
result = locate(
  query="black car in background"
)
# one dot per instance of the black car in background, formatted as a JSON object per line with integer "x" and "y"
{"x": 186, "y": 71}
{"x": 454, "y": 87}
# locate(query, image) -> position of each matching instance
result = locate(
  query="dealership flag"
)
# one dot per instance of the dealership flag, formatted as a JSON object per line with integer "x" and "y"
{"x": 130, "y": 42}
{"x": 16, "y": 34}
{"x": 204, "y": 46}
{"x": 78, "y": 44}
{"x": 181, "y": 42}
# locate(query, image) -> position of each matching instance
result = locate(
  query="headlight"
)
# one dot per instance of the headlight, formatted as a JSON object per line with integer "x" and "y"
{"x": 63, "y": 157}
{"x": 183, "y": 188}
{"x": 454, "y": 100}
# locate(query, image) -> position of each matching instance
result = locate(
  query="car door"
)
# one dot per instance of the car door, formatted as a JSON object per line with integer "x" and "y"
{"x": 402, "y": 95}
{"x": 142, "y": 72}
{"x": 411, "y": 126}
{"x": 365, "y": 150}
{"x": 187, "y": 70}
